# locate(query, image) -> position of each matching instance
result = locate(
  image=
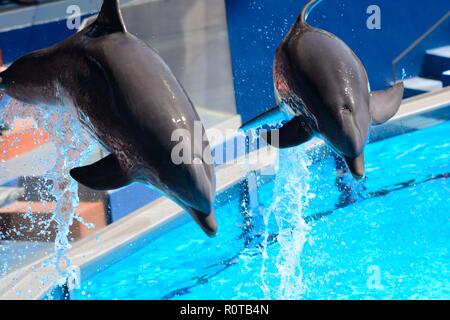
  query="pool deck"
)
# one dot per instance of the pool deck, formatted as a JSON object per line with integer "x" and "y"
{"x": 111, "y": 243}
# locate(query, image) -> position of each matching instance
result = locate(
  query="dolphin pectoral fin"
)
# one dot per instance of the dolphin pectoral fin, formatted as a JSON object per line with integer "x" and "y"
{"x": 105, "y": 174}
{"x": 109, "y": 20}
{"x": 385, "y": 104}
{"x": 260, "y": 118}
{"x": 291, "y": 134}
{"x": 356, "y": 166}
{"x": 208, "y": 222}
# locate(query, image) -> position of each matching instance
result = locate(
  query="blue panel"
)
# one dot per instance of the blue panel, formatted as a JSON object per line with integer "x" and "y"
{"x": 435, "y": 65}
{"x": 129, "y": 199}
{"x": 446, "y": 78}
{"x": 4, "y": 101}
{"x": 16, "y": 43}
{"x": 229, "y": 150}
{"x": 412, "y": 92}
{"x": 12, "y": 183}
{"x": 257, "y": 26}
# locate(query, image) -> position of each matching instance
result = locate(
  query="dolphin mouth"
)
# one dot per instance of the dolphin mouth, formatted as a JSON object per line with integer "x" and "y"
{"x": 207, "y": 223}
{"x": 356, "y": 166}
{"x": 357, "y": 176}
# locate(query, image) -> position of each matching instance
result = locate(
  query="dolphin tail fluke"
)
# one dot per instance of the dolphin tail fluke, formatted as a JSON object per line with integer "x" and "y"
{"x": 385, "y": 104}
{"x": 356, "y": 166}
{"x": 208, "y": 222}
{"x": 291, "y": 134}
{"x": 105, "y": 174}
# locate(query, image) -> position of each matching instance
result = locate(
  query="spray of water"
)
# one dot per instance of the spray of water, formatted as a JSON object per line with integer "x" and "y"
{"x": 73, "y": 147}
{"x": 291, "y": 196}
{"x": 404, "y": 74}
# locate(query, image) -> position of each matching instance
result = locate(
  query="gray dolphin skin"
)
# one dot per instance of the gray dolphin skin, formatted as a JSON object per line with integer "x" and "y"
{"x": 128, "y": 98}
{"x": 319, "y": 79}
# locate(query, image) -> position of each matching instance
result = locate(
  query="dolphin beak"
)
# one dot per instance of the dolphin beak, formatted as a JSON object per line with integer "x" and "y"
{"x": 206, "y": 222}
{"x": 356, "y": 166}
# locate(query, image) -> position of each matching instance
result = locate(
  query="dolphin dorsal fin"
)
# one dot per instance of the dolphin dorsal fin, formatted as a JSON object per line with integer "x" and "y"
{"x": 109, "y": 19}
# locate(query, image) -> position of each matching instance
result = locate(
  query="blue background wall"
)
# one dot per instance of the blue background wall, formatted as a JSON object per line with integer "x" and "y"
{"x": 256, "y": 27}
{"x": 15, "y": 43}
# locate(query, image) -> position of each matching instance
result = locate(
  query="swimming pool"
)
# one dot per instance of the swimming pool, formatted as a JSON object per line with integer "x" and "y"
{"x": 303, "y": 239}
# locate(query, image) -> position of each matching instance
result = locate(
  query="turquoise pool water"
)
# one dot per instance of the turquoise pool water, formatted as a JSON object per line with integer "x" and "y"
{"x": 386, "y": 239}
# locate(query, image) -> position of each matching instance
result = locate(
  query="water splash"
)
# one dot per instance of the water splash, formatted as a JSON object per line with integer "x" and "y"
{"x": 291, "y": 196}
{"x": 404, "y": 74}
{"x": 59, "y": 192}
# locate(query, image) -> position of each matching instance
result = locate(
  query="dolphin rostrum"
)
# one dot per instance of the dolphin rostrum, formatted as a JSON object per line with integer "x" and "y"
{"x": 131, "y": 102}
{"x": 319, "y": 79}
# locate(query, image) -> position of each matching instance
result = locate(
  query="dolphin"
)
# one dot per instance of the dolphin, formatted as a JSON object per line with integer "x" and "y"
{"x": 130, "y": 101}
{"x": 321, "y": 82}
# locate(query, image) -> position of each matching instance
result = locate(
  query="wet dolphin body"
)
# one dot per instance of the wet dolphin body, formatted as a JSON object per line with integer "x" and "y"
{"x": 319, "y": 79}
{"x": 127, "y": 96}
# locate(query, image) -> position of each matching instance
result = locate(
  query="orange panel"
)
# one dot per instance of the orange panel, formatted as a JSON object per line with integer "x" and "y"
{"x": 16, "y": 143}
{"x": 16, "y": 225}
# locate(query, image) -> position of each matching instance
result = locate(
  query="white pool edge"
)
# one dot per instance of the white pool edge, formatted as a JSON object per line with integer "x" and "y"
{"x": 423, "y": 103}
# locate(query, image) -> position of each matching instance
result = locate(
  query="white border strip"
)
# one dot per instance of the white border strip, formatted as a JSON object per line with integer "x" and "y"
{"x": 423, "y": 103}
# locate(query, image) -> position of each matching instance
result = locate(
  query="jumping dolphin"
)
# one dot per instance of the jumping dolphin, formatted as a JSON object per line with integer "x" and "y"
{"x": 128, "y": 98}
{"x": 320, "y": 80}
